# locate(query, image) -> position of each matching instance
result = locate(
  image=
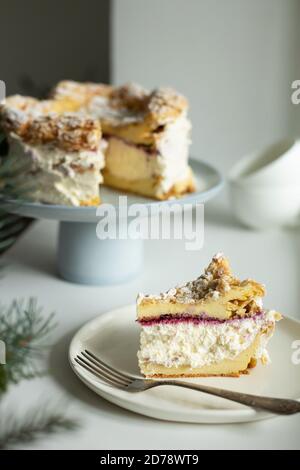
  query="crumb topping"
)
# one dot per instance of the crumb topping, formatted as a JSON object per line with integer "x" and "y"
{"x": 130, "y": 96}
{"x": 165, "y": 104}
{"x": 80, "y": 92}
{"x": 39, "y": 122}
{"x": 126, "y": 104}
{"x": 69, "y": 132}
{"x": 216, "y": 281}
{"x": 128, "y": 110}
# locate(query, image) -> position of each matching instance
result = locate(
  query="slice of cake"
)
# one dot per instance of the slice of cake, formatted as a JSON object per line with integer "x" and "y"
{"x": 60, "y": 152}
{"x": 214, "y": 325}
{"x": 147, "y": 134}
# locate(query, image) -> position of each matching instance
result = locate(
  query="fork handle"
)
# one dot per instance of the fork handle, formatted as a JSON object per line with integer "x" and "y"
{"x": 275, "y": 405}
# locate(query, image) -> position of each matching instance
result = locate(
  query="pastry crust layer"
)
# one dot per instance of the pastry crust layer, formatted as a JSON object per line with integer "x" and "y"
{"x": 216, "y": 293}
{"x": 80, "y": 93}
{"x": 128, "y": 111}
{"x": 149, "y": 187}
{"x": 95, "y": 201}
{"x": 44, "y": 122}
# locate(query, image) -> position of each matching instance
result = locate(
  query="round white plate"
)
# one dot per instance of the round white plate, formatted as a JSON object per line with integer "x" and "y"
{"x": 208, "y": 180}
{"x": 114, "y": 337}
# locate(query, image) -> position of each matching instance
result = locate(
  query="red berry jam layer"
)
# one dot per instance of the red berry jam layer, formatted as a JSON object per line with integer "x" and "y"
{"x": 199, "y": 319}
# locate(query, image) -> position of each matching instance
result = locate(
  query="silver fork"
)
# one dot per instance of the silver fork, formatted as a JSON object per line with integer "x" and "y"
{"x": 115, "y": 378}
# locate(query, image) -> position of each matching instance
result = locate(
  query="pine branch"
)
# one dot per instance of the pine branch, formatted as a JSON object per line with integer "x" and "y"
{"x": 38, "y": 422}
{"x": 23, "y": 329}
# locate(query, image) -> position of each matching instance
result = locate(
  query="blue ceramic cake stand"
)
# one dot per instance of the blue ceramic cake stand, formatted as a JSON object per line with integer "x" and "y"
{"x": 85, "y": 259}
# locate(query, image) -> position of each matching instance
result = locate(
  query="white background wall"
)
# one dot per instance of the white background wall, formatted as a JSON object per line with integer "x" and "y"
{"x": 234, "y": 59}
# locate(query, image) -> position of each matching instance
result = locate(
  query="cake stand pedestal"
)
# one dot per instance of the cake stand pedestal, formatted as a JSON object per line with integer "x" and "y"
{"x": 85, "y": 259}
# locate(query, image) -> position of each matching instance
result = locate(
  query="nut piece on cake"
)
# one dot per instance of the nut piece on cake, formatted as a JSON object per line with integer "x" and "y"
{"x": 214, "y": 325}
{"x": 60, "y": 151}
{"x": 147, "y": 134}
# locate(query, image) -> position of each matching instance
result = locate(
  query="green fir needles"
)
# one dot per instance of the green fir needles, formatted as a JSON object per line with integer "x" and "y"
{"x": 22, "y": 328}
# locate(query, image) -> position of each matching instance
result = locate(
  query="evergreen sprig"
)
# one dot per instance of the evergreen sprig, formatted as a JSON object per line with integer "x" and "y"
{"x": 38, "y": 422}
{"x": 22, "y": 328}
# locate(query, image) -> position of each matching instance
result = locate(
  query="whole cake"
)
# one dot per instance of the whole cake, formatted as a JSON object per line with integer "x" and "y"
{"x": 87, "y": 134}
{"x": 214, "y": 325}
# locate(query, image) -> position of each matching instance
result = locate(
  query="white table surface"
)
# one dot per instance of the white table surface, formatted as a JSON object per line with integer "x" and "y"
{"x": 271, "y": 257}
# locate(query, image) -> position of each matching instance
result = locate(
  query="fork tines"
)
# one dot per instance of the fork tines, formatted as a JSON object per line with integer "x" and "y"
{"x": 105, "y": 372}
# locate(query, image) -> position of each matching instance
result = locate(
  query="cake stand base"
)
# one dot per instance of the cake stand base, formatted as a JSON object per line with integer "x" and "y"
{"x": 84, "y": 259}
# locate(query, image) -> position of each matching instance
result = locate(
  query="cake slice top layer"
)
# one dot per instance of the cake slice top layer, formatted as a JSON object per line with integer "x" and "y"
{"x": 39, "y": 122}
{"x": 127, "y": 101}
{"x": 18, "y": 108}
{"x": 80, "y": 92}
{"x": 216, "y": 294}
{"x": 129, "y": 111}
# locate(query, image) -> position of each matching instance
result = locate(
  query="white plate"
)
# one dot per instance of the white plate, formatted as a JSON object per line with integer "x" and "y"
{"x": 114, "y": 337}
{"x": 208, "y": 180}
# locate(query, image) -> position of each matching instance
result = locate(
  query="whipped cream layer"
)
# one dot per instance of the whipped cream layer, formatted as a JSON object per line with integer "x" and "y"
{"x": 55, "y": 176}
{"x": 172, "y": 147}
{"x": 186, "y": 343}
{"x": 166, "y": 163}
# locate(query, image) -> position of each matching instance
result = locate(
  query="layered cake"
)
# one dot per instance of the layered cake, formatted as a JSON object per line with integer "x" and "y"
{"x": 213, "y": 325}
{"x": 140, "y": 140}
{"x": 147, "y": 135}
{"x": 60, "y": 152}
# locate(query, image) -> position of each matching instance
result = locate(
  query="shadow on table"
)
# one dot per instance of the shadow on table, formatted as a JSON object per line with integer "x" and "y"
{"x": 61, "y": 372}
